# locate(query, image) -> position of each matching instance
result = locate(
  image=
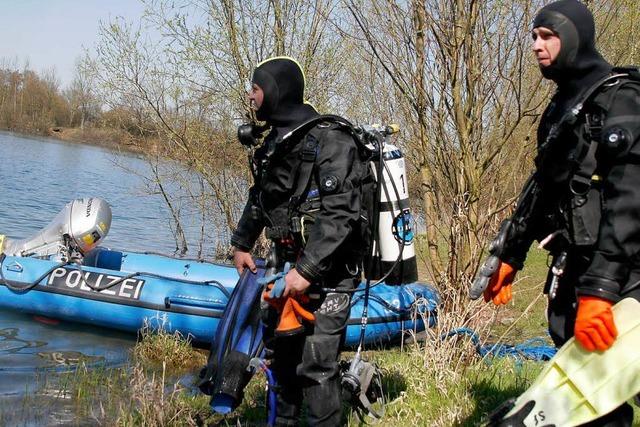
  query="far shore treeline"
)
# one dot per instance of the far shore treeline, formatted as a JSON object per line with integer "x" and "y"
{"x": 36, "y": 103}
{"x": 457, "y": 76}
{"x": 32, "y": 103}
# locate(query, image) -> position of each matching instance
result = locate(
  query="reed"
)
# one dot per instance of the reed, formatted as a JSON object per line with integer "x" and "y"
{"x": 158, "y": 348}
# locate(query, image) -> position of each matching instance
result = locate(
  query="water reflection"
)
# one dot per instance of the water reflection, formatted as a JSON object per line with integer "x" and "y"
{"x": 68, "y": 345}
{"x": 11, "y": 343}
{"x": 30, "y": 368}
{"x": 69, "y": 358}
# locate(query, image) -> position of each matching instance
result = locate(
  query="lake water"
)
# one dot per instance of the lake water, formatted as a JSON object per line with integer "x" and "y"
{"x": 38, "y": 176}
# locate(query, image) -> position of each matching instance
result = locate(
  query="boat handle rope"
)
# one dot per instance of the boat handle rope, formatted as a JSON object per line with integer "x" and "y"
{"x": 29, "y": 286}
{"x": 32, "y": 285}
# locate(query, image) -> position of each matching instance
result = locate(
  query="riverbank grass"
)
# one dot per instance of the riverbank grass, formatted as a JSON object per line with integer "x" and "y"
{"x": 145, "y": 393}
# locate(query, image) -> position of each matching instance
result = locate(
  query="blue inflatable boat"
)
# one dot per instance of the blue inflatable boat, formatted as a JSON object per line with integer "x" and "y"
{"x": 175, "y": 294}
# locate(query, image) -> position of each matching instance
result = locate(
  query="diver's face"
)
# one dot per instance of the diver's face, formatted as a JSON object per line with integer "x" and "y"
{"x": 256, "y": 97}
{"x": 546, "y": 46}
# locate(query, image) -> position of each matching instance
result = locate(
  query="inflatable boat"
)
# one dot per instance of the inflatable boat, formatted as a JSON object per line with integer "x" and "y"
{"x": 62, "y": 273}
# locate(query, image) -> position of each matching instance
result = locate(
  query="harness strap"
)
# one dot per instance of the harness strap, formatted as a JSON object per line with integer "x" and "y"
{"x": 308, "y": 153}
{"x": 585, "y": 174}
{"x": 370, "y": 378}
{"x": 571, "y": 116}
{"x": 582, "y": 178}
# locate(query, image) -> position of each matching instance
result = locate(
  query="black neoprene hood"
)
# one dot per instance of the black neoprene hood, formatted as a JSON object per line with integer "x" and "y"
{"x": 282, "y": 82}
{"x": 572, "y": 21}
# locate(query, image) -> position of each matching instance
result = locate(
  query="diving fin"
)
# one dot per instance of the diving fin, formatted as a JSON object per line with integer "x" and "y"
{"x": 238, "y": 339}
{"x": 577, "y": 386}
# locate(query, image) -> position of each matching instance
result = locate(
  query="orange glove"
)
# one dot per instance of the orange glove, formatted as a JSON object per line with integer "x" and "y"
{"x": 291, "y": 317}
{"x": 499, "y": 289}
{"x": 291, "y": 312}
{"x": 594, "y": 328}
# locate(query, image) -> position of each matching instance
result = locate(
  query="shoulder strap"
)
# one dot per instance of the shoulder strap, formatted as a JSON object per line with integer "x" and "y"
{"x": 584, "y": 175}
{"x": 594, "y": 121}
{"x": 308, "y": 153}
{"x": 587, "y": 165}
{"x": 305, "y": 127}
{"x": 311, "y": 132}
{"x": 571, "y": 116}
{"x": 631, "y": 70}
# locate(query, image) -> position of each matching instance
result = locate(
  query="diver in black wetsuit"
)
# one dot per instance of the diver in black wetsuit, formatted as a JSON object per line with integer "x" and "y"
{"x": 588, "y": 176}
{"x": 325, "y": 251}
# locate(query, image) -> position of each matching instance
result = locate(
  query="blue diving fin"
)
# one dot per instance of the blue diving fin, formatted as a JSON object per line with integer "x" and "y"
{"x": 577, "y": 386}
{"x": 238, "y": 339}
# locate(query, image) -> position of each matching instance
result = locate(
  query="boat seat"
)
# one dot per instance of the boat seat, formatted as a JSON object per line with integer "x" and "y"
{"x": 104, "y": 258}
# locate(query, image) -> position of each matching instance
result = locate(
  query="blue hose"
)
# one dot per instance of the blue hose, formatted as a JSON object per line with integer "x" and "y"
{"x": 271, "y": 421}
{"x": 271, "y": 382}
{"x": 533, "y": 349}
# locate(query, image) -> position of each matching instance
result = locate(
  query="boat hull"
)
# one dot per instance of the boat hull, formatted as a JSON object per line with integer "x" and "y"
{"x": 179, "y": 295}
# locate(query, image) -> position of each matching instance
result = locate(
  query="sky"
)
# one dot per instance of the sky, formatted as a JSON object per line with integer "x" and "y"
{"x": 53, "y": 33}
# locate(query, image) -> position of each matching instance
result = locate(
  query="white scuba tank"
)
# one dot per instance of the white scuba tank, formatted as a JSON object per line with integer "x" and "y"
{"x": 77, "y": 229}
{"x": 395, "y": 228}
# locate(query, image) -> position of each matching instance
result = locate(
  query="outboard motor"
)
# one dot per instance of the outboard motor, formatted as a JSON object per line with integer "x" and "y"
{"x": 77, "y": 229}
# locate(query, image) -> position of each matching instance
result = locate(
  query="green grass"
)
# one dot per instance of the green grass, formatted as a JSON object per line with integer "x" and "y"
{"x": 435, "y": 396}
{"x": 528, "y": 297}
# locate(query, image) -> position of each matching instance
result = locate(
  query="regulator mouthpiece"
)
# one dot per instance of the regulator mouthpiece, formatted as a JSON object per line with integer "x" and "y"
{"x": 249, "y": 134}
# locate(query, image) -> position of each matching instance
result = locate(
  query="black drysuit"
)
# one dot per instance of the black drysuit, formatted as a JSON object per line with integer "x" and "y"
{"x": 601, "y": 234}
{"x": 308, "y": 363}
{"x": 335, "y": 197}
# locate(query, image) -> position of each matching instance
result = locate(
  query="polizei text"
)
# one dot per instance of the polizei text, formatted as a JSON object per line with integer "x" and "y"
{"x": 79, "y": 280}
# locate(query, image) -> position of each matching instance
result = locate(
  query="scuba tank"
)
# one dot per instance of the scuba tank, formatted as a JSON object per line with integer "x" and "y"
{"x": 393, "y": 252}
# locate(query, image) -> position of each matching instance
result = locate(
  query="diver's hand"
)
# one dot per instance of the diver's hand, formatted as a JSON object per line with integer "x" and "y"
{"x": 595, "y": 328}
{"x": 499, "y": 289}
{"x": 242, "y": 260}
{"x": 295, "y": 284}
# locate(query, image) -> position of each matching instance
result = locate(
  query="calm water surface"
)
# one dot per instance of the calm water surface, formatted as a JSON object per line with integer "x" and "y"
{"x": 38, "y": 176}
